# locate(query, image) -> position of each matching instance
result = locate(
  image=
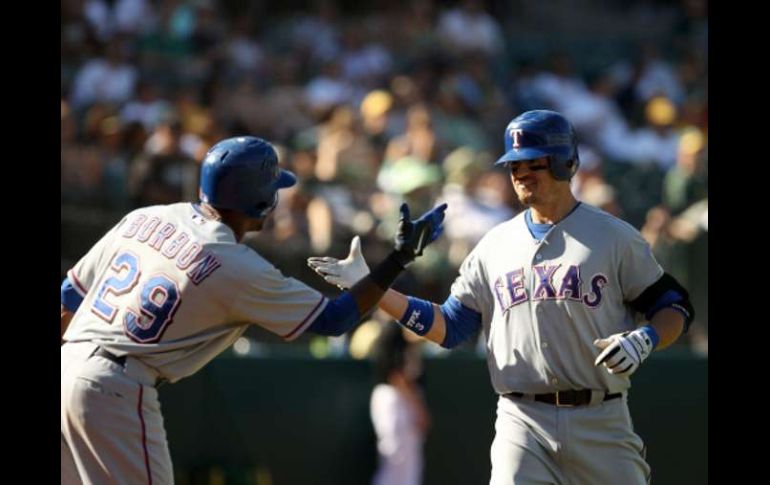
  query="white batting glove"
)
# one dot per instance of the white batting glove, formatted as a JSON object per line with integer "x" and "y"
{"x": 623, "y": 352}
{"x": 343, "y": 273}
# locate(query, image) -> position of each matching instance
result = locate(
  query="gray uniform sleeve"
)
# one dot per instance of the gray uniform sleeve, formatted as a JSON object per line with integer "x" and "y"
{"x": 470, "y": 286}
{"x": 86, "y": 271}
{"x": 284, "y": 306}
{"x": 638, "y": 268}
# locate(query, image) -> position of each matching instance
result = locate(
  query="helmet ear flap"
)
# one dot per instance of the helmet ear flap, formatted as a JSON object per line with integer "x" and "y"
{"x": 265, "y": 208}
{"x": 563, "y": 168}
{"x": 573, "y": 164}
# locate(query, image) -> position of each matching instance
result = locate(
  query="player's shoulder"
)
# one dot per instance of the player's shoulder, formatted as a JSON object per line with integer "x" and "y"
{"x": 243, "y": 261}
{"x": 612, "y": 224}
{"x": 502, "y": 231}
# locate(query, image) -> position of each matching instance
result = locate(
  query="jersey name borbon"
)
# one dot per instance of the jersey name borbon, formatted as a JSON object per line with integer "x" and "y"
{"x": 158, "y": 234}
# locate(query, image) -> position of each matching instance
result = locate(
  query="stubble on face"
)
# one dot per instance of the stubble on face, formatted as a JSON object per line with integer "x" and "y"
{"x": 529, "y": 185}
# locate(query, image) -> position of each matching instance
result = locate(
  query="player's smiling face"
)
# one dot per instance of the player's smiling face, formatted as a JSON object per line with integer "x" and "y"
{"x": 532, "y": 180}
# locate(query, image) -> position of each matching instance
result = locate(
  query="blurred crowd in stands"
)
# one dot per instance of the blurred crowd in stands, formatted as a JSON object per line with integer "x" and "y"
{"x": 403, "y": 101}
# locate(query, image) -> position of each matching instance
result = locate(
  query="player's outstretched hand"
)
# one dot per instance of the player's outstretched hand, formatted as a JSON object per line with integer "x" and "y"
{"x": 414, "y": 236}
{"x": 343, "y": 273}
{"x": 623, "y": 352}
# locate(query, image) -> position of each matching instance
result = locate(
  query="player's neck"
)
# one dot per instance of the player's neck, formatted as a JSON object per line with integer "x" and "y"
{"x": 209, "y": 212}
{"x": 238, "y": 223}
{"x": 554, "y": 210}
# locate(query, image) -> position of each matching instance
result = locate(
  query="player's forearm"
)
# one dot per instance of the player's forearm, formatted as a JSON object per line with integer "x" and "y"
{"x": 369, "y": 290}
{"x": 669, "y": 324}
{"x": 395, "y": 304}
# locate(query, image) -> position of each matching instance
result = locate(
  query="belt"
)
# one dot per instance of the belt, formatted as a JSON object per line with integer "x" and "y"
{"x": 121, "y": 361}
{"x": 569, "y": 398}
{"x": 101, "y": 352}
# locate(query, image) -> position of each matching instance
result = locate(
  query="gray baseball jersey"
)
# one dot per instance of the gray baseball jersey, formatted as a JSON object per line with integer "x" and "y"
{"x": 544, "y": 303}
{"x": 173, "y": 288}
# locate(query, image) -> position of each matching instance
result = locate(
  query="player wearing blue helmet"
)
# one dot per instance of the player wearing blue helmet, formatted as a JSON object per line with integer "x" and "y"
{"x": 242, "y": 174}
{"x": 570, "y": 301}
{"x": 542, "y": 133}
{"x": 168, "y": 289}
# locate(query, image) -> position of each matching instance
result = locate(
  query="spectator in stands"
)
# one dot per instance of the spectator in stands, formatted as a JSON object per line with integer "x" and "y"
{"x": 398, "y": 409}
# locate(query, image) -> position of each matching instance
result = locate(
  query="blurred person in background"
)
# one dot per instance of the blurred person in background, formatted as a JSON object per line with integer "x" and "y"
{"x": 680, "y": 244}
{"x": 453, "y": 126}
{"x": 413, "y": 35}
{"x": 315, "y": 36}
{"x": 347, "y": 167}
{"x": 111, "y": 78}
{"x": 477, "y": 205}
{"x": 591, "y": 168}
{"x": 364, "y": 62}
{"x": 147, "y": 107}
{"x": 244, "y": 57}
{"x": 81, "y": 163}
{"x": 376, "y": 115}
{"x": 691, "y": 228}
{"x": 687, "y": 181}
{"x": 558, "y": 84}
{"x": 109, "y": 18}
{"x": 283, "y": 103}
{"x": 398, "y": 410}
{"x": 467, "y": 27}
{"x": 328, "y": 89}
{"x": 163, "y": 173}
{"x": 482, "y": 96}
{"x": 345, "y": 155}
{"x": 418, "y": 140}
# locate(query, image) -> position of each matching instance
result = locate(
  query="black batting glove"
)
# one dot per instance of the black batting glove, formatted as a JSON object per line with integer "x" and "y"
{"x": 414, "y": 236}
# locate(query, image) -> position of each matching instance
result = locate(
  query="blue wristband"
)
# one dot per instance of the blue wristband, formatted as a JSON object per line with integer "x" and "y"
{"x": 70, "y": 298}
{"x": 418, "y": 316}
{"x": 652, "y": 333}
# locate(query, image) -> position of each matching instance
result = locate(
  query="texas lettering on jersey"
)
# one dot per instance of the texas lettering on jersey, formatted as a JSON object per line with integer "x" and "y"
{"x": 552, "y": 283}
{"x": 158, "y": 235}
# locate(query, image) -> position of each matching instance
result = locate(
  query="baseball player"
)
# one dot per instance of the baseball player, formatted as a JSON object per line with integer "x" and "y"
{"x": 169, "y": 288}
{"x": 571, "y": 302}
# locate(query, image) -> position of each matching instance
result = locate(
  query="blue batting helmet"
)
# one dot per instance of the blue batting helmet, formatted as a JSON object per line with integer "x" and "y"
{"x": 242, "y": 174}
{"x": 542, "y": 133}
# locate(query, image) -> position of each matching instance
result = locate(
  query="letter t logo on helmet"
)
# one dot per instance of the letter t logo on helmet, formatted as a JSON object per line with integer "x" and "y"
{"x": 516, "y": 135}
